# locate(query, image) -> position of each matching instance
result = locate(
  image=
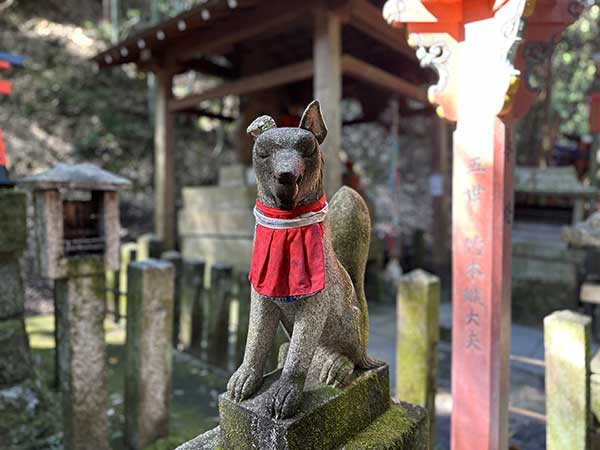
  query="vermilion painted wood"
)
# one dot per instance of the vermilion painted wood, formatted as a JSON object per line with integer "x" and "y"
{"x": 482, "y": 199}
{"x": 4, "y": 65}
{"x": 482, "y": 194}
{"x": 3, "y": 161}
{"x": 5, "y": 87}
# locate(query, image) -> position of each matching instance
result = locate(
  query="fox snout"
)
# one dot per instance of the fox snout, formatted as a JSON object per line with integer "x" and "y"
{"x": 288, "y": 167}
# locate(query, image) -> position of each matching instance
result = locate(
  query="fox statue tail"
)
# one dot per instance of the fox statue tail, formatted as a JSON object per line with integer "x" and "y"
{"x": 350, "y": 234}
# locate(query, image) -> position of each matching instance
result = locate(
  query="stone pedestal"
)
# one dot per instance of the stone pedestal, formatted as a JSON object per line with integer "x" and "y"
{"x": 148, "y": 351}
{"x": 82, "y": 353}
{"x": 359, "y": 416}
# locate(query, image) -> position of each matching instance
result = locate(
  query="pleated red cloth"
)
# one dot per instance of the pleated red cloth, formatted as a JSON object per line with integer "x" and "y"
{"x": 288, "y": 263}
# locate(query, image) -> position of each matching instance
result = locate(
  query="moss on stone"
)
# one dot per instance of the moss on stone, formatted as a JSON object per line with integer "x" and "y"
{"x": 30, "y": 417}
{"x": 13, "y": 232}
{"x": 327, "y": 417}
{"x": 402, "y": 427}
{"x": 15, "y": 358}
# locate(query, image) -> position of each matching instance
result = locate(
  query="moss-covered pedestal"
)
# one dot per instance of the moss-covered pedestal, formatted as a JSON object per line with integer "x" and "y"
{"x": 360, "y": 416}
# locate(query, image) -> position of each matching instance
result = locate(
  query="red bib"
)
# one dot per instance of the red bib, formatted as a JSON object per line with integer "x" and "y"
{"x": 288, "y": 262}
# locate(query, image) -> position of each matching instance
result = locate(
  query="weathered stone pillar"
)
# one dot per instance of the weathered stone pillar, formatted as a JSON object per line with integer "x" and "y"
{"x": 418, "y": 334}
{"x": 217, "y": 323}
{"x": 148, "y": 351}
{"x": 23, "y": 400}
{"x": 174, "y": 258}
{"x": 149, "y": 246}
{"x": 243, "y": 314}
{"x": 15, "y": 360}
{"x": 82, "y": 354}
{"x": 191, "y": 303}
{"x": 567, "y": 342}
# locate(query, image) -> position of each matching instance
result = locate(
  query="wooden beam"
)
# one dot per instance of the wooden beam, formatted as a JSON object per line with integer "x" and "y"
{"x": 270, "y": 17}
{"x": 368, "y": 19}
{"x": 266, "y": 80}
{"x": 356, "y": 68}
{"x": 205, "y": 113}
{"x": 164, "y": 162}
{"x": 327, "y": 88}
{"x": 208, "y": 67}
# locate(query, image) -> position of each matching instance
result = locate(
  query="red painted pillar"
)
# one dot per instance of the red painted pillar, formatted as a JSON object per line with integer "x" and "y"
{"x": 482, "y": 216}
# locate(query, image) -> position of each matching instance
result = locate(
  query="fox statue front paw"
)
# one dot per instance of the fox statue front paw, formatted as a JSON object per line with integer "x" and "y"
{"x": 286, "y": 399}
{"x": 244, "y": 382}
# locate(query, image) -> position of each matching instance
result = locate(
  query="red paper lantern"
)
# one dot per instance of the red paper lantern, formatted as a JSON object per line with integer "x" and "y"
{"x": 595, "y": 112}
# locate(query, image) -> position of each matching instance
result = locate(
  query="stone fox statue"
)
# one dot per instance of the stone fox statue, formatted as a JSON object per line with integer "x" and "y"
{"x": 307, "y": 268}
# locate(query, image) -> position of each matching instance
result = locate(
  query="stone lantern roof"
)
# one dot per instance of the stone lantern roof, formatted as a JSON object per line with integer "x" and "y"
{"x": 76, "y": 176}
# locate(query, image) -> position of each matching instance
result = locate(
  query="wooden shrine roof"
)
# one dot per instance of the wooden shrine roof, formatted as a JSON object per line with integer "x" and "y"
{"x": 214, "y": 37}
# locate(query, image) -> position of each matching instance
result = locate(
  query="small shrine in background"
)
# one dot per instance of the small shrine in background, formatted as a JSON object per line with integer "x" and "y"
{"x": 484, "y": 53}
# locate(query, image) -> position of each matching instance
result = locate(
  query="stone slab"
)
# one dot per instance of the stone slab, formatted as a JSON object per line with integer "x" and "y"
{"x": 13, "y": 229}
{"x": 327, "y": 418}
{"x": 12, "y": 297}
{"x": 15, "y": 359}
{"x": 232, "y": 175}
{"x": 590, "y": 292}
{"x": 235, "y": 252}
{"x": 238, "y": 223}
{"x": 218, "y": 198}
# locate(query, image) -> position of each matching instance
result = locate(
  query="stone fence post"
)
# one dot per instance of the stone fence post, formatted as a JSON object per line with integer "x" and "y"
{"x": 192, "y": 293}
{"x": 243, "y": 297}
{"x": 174, "y": 258}
{"x": 567, "y": 342}
{"x": 148, "y": 351}
{"x": 417, "y": 338}
{"x": 80, "y": 310}
{"x": 217, "y": 323}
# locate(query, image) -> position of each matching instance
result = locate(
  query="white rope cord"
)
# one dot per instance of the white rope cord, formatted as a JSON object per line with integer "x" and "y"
{"x": 303, "y": 220}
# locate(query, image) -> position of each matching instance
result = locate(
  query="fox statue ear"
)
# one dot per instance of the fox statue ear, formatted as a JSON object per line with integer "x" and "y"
{"x": 312, "y": 120}
{"x": 260, "y": 125}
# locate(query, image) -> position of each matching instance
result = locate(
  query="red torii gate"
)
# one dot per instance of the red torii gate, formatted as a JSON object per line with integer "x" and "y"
{"x": 6, "y": 62}
{"x": 484, "y": 52}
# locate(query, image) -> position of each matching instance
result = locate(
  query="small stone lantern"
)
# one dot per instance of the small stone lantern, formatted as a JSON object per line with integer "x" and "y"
{"x": 77, "y": 231}
{"x": 76, "y": 215}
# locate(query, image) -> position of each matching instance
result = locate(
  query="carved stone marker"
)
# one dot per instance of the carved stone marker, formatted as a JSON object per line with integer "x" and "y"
{"x": 192, "y": 294}
{"x": 148, "y": 351}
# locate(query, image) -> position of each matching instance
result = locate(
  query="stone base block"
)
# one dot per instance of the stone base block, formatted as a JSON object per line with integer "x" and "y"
{"x": 327, "y": 416}
{"x": 401, "y": 427}
{"x": 356, "y": 417}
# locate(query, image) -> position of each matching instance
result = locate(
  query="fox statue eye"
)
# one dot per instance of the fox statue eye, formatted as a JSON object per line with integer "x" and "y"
{"x": 262, "y": 152}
